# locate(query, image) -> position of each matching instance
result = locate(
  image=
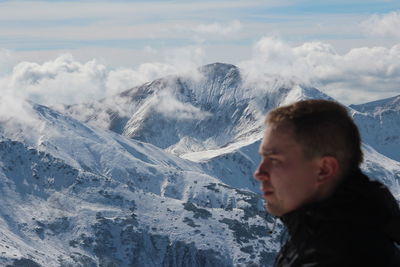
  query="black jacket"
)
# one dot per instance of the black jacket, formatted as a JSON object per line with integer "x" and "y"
{"x": 357, "y": 225}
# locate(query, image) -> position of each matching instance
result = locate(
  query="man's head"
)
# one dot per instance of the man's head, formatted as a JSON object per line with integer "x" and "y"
{"x": 307, "y": 148}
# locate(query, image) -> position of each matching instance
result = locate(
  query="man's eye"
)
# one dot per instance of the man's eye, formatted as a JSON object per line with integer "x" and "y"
{"x": 274, "y": 161}
{"x": 271, "y": 161}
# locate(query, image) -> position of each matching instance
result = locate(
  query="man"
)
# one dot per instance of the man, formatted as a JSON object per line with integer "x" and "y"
{"x": 311, "y": 180}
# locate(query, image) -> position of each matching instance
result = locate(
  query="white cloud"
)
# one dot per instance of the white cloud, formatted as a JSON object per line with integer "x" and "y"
{"x": 186, "y": 59}
{"x": 125, "y": 78}
{"x": 17, "y": 116}
{"x": 12, "y": 107}
{"x": 182, "y": 61}
{"x": 362, "y": 74}
{"x": 167, "y": 105}
{"x": 60, "y": 80}
{"x": 7, "y": 61}
{"x": 386, "y": 25}
{"x": 66, "y": 80}
{"x": 219, "y": 29}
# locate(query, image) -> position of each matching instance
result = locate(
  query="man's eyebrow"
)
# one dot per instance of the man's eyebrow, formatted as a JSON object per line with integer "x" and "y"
{"x": 268, "y": 152}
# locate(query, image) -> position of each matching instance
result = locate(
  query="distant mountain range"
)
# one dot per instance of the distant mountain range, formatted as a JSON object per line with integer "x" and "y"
{"x": 158, "y": 175}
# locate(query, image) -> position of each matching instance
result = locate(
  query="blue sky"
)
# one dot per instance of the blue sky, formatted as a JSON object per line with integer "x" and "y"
{"x": 62, "y": 26}
{"x": 128, "y": 34}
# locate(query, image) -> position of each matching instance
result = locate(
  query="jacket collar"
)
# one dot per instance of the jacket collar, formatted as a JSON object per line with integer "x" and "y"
{"x": 332, "y": 207}
{"x": 353, "y": 200}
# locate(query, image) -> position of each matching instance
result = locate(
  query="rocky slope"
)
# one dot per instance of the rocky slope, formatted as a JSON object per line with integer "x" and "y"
{"x": 74, "y": 195}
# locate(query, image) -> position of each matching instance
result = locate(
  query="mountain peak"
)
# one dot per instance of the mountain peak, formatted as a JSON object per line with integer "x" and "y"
{"x": 221, "y": 73}
{"x": 379, "y": 106}
{"x": 195, "y": 114}
{"x": 218, "y": 67}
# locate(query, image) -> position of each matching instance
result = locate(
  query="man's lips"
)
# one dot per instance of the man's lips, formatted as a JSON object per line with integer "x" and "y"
{"x": 266, "y": 192}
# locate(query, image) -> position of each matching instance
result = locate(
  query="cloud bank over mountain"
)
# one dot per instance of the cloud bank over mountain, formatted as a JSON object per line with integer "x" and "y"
{"x": 360, "y": 75}
{"x": 66, "y": 80}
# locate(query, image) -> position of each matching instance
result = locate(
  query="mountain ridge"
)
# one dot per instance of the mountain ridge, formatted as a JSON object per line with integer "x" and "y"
{"x": 109, "y": 205}
{"x": 206, "y": 111}
{"x": 77, "y": 194}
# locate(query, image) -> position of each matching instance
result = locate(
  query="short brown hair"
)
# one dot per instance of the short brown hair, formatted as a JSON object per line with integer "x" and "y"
{"x": 323, "y": 128}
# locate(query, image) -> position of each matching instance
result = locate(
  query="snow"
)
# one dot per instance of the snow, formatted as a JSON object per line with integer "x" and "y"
{"x": 86, "y": 186}
{"x": 121, "y": 182}
{"x": 381, "y": 129}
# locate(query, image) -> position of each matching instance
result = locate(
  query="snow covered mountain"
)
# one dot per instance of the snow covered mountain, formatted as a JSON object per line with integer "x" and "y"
{"x": 182, "y": 114}
{"x": 202, "y": 117}
{"x": 379, "y": 123}
{"x": 171, "y": 183}
{"x": 74, "y": 195}
{"x": 215, "y": 117}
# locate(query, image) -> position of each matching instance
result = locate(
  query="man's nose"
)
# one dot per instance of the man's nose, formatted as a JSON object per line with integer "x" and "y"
{"x": 261, "y": 174}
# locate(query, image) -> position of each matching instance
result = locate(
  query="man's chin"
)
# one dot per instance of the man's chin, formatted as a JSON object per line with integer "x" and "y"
{"x": 275, "y": 211}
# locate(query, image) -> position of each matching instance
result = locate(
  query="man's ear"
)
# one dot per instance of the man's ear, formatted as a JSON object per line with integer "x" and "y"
{"x": 328, "y": 169}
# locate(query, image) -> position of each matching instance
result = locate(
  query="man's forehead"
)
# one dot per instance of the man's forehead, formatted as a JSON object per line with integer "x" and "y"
{"x": 268, "y": 148}
{"x": 277, "y": 138}
{"x": 281, "y": 126}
